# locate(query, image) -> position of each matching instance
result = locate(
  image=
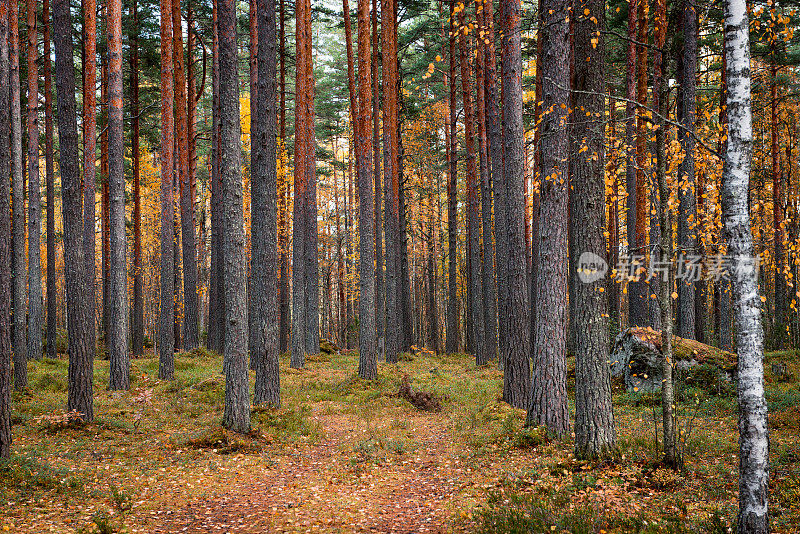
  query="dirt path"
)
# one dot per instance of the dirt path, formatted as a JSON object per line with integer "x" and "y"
{"x": 336, "y": 486}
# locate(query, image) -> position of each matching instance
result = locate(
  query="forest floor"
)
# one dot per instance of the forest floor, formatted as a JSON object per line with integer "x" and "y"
{"x": 344, "y": 455}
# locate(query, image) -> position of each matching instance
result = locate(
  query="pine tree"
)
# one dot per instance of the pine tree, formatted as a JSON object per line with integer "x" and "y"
{"x": 79, "y": 323}
{"x": 34, "y": 193}
{"x": 264, "y": 192}
{"x": 119, "y": 377}
{"x": 236, "y": 416}
{"x": 166, "y": 339}
{"x": 548, "y": 403}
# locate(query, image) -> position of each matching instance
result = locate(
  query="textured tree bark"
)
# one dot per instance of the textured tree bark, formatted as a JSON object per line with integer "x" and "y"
{"x": 613, "y": 226}
{"x": 191, "y": 337}
{"x": 779, "y": 319}
{"x": 50, "y": 179}
{"x": 391, "y": 182}
{"x": 472, "y": 206}
{"x": 81, "y": 353}
{"x": 264, "y": 229}
{"x": 18, "y": 209}
{"x": 254, "y": 316}
{"x": 5, "y": 239}
{"x": 367, "y": 349}
{"x": 138, "y": 297}
{"x": 660, "y": 103}
{"x": 348, "y": 204}
{"x": 216, "y": 319}
{"x": 90, "y": 153}
{"x": 166, "y": 339}
{"x": 119, "y": 377}
{"x": 723, "y": 322}
{"x": 236, "y": 416}
{"x": 595, "y": 433}
{"x": 548, "y": 405}
{"x": 34, "y": 193}
{"x": 487, "y": 245}
{"x": 637, "y": 292}
{"x": 753, "y": 433}
{"x": 517, "y": 371}
{"x": 687, "y": 213}
{"x": 496, "y": 182}
{"x": 104, "y": 213}
{"x": 452, "y": 341}
{"x": 380, "y": 291}
{"x": 283, "y": 200}
{"x": 304, "y": 187}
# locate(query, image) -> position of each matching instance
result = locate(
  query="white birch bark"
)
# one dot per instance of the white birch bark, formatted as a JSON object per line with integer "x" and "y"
{"x": 753, "y": 437}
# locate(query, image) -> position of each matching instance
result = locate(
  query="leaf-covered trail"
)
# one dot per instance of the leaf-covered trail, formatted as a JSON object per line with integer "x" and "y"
{"x": 347, "y": 482}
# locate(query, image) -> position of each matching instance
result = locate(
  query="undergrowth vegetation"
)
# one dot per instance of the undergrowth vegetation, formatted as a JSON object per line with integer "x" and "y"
{"x": 161, "y": 447}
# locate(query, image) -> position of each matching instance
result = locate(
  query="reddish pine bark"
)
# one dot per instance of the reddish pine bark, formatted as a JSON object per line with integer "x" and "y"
{"x": 138, "y": 297}
{"x": 191, "y": 336}
{"x": 34, "y": 193}
{"x": 472, "y": 207}
{"x": 394, "y": 331}
{"x": 50, "y": 179}
{"x": 368, "y": 358}
{"x": 166, "y": 339}
{"x": 90, "y": 147}
{"x": 452, "y": 341}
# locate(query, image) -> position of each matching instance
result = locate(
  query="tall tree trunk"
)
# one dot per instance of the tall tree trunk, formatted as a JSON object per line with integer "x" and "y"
{"x": 637, "y": 290}
{"x": 380, "y": 291}
{"x": 119, "y": 377}
{"x": 487, "y": 245}
{"x": 90, "y": 152}
{"x": 348, "y": 205}
{"x": 723, "y": 322}
{"x": 5, "y": 237}
{"x": 34, "y": 193}
{"x": 105, "y": 208}
{"x": 660, "y": 103}
{"x": 18, "y": 209}
{"x": 495, "y": 136}
{"x": 50, "y": 179}
{"x": 254, "y": 315}
{"x": 81, "y": 353}
{"x": 595, "y": 433}
{"x": 216, "y": 314}
{"x": 166, "y": 339}
{"x": 472, "y": 206}
{"x": 548, "y": 405}
{"x": 283, "y": 200}
{"x": 236, "y": 416}
{"x": 687, "y": 214}
{"x": 138, "y": 297}
{"x": 613, "y": 227}
{"x": 452, "y": 341}
{"x": 753, "y": 438}
{"x": 264, "y": 191}
{"x": 517, "y": 371}
{"x": 303, "y": 176}
{"x": 779, "y": 319}
{"x": 191, "y": 337}
{"x": 368, "y": 358}
{"x": 394, "y": 318}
